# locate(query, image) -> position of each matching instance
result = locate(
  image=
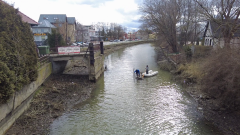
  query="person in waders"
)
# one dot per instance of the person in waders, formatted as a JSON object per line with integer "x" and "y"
{"x": 147, "y": 69}
{"x": 137, "y": 72}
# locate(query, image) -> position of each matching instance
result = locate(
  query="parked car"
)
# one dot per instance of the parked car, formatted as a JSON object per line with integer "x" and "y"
{"x": 79, "y": 43}
{"x": 74, "y": 44}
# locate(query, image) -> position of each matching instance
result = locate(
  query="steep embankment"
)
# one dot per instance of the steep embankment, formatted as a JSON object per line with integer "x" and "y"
{"x": 218, "y": 108}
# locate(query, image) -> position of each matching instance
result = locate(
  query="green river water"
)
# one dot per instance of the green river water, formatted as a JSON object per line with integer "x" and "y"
{"x": 122, "y": 105}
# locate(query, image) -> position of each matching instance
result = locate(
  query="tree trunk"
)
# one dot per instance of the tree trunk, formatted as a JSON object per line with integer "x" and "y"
{"x": 227, "y": 42}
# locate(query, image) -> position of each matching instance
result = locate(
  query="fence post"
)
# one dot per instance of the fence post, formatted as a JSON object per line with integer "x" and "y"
{"x": 101, "y": 47}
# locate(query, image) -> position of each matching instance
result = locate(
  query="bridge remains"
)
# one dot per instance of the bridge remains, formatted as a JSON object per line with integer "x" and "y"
{"x": 89, "y": 63}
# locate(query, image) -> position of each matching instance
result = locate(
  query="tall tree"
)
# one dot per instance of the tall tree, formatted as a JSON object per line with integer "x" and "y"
{"x": 223, "y": 12}
{"x": 163, "y": 15}
{"x": 55, "y": 39}
{"x": 80, "y": 32}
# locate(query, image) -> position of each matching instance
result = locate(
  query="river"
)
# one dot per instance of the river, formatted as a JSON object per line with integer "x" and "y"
{"x": 122, "y": 105}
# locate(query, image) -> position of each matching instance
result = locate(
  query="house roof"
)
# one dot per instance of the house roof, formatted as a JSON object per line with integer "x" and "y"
{"x": 45, "y": 24}
{"x": 27, "y": 19}
{"x": 24, "y": 17}
{"x": 53, "y": 18}
{"x": 216, "y": 29}
{"x": 71, "y": 20}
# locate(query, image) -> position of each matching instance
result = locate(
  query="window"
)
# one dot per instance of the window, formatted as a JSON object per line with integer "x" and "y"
{"x": 60, "y": 25}
{"x": 43, "y": 38}
{"x": 33, "y": 30}
{"x": 42, "y": 30}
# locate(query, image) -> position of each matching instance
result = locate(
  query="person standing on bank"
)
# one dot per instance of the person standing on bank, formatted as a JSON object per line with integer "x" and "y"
{"x": 147, "y": 69}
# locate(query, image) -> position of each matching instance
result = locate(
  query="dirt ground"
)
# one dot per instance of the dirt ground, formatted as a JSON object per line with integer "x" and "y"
{"x": 58, "y": 95}
{"x": 226, "y": 120}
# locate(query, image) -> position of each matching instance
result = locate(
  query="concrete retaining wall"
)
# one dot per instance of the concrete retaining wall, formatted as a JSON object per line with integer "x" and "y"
{"x": 16, "y": 106}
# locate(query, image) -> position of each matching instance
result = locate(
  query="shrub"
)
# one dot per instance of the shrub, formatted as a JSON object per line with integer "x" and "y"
{"x": 188, "y": 52}
{"x": 202, "y": 51}
{"x": 18, "y": 57}
{"x": 222, "y": 77}
{"x": 191, "y": 72}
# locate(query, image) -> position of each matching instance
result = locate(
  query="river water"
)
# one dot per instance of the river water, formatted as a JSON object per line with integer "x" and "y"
{"x": 122, "y": 105}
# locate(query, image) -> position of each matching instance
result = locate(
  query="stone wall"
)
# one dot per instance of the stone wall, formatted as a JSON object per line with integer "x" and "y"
{"x": 20, "y": 102}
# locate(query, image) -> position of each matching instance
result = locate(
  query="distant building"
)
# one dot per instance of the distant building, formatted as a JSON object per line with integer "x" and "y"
{"x": 66, "y": 25}
{"x": 40, "y": 32}
{"x": 213, "y": 35}
{"x": 87, "y": 33}
{"x": 71, "y": 29}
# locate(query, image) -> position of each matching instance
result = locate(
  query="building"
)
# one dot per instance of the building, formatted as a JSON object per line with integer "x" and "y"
{"x": 27, "y": 19}
{"x": 65, "y": 25}
{"x": 40, "y": 32}
{"x": 213, "y": 35}
{"x": 86, "y": 33}
{"x": 71, "y": 29}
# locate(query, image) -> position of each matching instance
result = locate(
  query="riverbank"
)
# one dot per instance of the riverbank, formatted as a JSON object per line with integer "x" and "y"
{"x": 226, "y": 120}
{"x": 56, "y": 96}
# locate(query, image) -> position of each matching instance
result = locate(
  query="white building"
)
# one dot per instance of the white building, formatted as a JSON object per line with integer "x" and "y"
{"x": 40, "y": 32}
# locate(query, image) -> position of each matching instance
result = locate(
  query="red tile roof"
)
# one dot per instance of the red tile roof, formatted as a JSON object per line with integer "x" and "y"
{"x": 26, "y": 18}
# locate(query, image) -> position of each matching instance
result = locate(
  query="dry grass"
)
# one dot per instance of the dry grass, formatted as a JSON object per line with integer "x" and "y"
{"x": 217, "y": 72}
{"x": 222, "y": 77}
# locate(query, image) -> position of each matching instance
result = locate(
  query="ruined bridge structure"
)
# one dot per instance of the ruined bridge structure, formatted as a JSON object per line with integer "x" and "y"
{"x": 89, "y": 63}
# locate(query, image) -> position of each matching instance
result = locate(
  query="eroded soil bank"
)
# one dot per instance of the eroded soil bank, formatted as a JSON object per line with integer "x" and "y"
{"x": 56, "y": 96}
{"x": 226, "y": 120}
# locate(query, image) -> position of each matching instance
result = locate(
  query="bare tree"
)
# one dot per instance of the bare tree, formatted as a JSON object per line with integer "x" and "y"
{"x": 145, "y": 30}
{"x": 163, "y": 15}
{"x": 190, "y": 26}
{"x": 223, "y": 12}
{"x": 80, "y": 32}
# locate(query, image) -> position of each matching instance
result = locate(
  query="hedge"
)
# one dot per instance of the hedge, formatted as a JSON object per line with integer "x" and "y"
{"x": 18, "y": 56}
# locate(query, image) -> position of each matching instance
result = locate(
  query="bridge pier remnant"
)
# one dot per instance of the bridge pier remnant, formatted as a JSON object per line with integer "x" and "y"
{"x": 96, "y": 64}
{"x": 101, "y": 47}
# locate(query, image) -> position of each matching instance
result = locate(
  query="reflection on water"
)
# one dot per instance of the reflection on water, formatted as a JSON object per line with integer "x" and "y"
{"x": 124, "y": 105}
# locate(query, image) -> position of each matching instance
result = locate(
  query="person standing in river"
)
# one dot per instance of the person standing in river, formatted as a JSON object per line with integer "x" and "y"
{"x": 147, "y": 69}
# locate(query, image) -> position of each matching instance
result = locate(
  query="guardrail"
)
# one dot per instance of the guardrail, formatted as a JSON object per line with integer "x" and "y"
{"x": 43, "y": 60}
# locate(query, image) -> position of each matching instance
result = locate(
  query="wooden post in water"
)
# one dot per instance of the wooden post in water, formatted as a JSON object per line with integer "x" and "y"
{"x": 101, "y": 47}
{"x": 91, "y": 52}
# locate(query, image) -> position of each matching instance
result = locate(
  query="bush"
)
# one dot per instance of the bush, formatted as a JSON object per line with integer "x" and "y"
{"x": 222, "y": 77}
{"x": 18, "y": 57}
{"x": 188, "y": 52}
{"x": 191, "y": 72}
{"x": 202, "y": 51}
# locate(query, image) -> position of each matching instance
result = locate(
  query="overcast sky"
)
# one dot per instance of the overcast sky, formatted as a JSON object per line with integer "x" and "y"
{"x": 87, "y": 12}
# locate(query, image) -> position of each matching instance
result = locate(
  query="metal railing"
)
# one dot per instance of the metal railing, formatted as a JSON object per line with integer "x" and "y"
{"x": 43, "y": 60}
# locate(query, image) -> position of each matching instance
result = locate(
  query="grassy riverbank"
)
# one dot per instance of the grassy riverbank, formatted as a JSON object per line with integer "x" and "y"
{"x": 211, "y": 79}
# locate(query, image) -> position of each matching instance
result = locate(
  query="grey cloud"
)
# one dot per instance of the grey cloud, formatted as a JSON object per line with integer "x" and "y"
{"x": 134, "y": 24}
